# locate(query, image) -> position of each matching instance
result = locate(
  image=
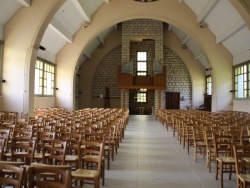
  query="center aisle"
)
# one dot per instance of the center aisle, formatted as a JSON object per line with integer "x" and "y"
{"x": 149, "y": 157}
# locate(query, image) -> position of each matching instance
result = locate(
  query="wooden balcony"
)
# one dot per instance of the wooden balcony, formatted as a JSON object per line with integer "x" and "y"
{"x": 128, "y": 81}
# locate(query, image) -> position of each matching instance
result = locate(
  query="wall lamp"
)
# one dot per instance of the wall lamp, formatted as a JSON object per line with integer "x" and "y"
{"x": 42, "y": 48}
{"x": 3, "y": 80}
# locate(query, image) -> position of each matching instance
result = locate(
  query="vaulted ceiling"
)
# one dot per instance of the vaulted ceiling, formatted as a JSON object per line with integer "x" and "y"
{"x": 219, "y": 16}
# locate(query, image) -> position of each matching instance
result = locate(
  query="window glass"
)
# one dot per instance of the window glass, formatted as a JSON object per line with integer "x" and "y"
{"x": 142, "y": 95}
{"x": 1, "y": 59}
{"x": 141, "y": 63}
{"x": 241, "y": 80}
{"x": 44, "y": 78}
{"x": 209, "y": 85}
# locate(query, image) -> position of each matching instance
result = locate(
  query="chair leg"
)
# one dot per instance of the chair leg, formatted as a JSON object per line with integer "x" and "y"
{"x": 221, "y": 175}
{"x": 195, "y": 153}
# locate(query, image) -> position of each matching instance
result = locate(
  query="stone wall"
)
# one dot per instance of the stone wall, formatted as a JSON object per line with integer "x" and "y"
{"x": 177, "y": 78}
{"x": 141, "y": 29}
{"x": 106, "y": 75}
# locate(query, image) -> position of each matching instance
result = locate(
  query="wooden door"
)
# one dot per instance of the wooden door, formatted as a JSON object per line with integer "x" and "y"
{"x": 207, "y": 102}
{"x": 172, "y": 100}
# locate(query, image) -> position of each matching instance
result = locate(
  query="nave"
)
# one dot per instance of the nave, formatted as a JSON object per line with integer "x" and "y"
{"x": 150, "y": 157}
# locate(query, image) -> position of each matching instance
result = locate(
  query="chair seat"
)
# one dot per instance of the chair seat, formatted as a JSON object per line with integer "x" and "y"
{"x": 92, "y": 156}
{"x": 244, "y": 177}
{"x": 226, "y": 159}
{"x": 16, "y": 153}
{"x": 85, "y": 173}
{"x": 40, "y": 155}
{"x": 71, "y": 157}
{"x": 200, "y": 143}
{"x": 106, "y": 147}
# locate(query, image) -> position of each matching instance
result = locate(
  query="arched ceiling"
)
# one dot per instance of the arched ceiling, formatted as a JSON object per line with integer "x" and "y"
{"x": 219, "y": 16}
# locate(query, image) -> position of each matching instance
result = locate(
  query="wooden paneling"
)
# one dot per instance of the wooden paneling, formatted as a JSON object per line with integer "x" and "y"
{"x": 127, "y": 81}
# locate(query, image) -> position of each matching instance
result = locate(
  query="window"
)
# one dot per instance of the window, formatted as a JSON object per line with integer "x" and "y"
{"x": 142, "y": 95}
{"x": 209, "y": 85}
{"x": 44, "y": 78}
{"x": 1, "y": 58}
{"x": 242, "y": 80}
{"x": 1, "y": 62}
{"x": 141, "y": 63}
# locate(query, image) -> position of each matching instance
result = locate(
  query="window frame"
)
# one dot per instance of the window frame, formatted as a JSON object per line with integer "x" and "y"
{"x": 138, "y": 61}
{"x": 245, "y": 80}
{"x": 43, "y": 74}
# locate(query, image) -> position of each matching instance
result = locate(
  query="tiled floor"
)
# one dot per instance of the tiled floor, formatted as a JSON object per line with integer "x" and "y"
{"x": 150, "y": 157}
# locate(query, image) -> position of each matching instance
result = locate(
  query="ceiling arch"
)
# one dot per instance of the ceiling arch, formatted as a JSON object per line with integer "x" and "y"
{"x": 186, "y": 18}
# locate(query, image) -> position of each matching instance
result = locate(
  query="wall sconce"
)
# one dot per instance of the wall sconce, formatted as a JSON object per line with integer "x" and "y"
{"x": 184, "y": 47}
{"x": 3, "y": 80}
{"x": 86, "y": 24}
{"x": 202, "y": 25}
{"x": 78, "y": 68}
{"x": 42, "y": 48}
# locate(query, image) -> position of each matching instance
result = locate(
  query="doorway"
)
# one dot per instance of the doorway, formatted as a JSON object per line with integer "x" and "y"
{"x": 172, "y": 100}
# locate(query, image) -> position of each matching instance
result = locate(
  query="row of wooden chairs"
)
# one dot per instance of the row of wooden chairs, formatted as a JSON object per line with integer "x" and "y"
{"x": 211, "y": 134}
{"x": 68, "y": 148}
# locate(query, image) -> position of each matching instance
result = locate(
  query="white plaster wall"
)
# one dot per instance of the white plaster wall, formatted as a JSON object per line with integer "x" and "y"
{"x": 241, "y": 105}
{"x": 44, "y": 102}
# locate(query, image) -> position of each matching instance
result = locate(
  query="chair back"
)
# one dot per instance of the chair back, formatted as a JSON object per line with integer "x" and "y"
{"x": 54, "y": 151}
{"x": 23, "y": 149}
{"x": 62, "y": 178}
{"x": 88, "y": 150}
{"x": 223, "y": 145}
{"x": 16, "y": 170}
{"x": 242, "y": 158}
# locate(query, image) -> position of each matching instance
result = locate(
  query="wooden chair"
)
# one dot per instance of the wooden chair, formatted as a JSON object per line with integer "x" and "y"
{"x": 72, "y": 152}
{"x": 54, "y": 152}
{"x": 5, "y": 134}
{"x": 2, "y": 146}
{"x": 10, "y": 127}
{"x": 188, "y": 138}
{"x": 225, "y": 161}
{"x": 42, "y": 135}
{"x": 12, "y": 174}
{"x": 209, "y": 134}
{"x": 22, "y": 134}
{"x": 242, "y": 163}
{"x": 199, "y": 141}
{"x": 23, "y": 149}
{"x": 245, "y": 140}
{"x": 38, "y": 176}
{"x": 98, "y": 137}
{"x": 107, "y": 131}
{"x": 90, "y": 152}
